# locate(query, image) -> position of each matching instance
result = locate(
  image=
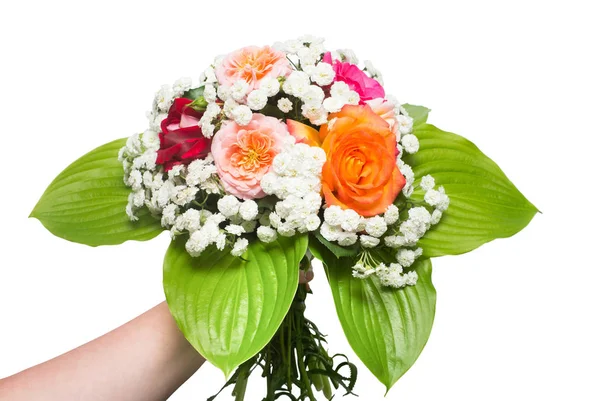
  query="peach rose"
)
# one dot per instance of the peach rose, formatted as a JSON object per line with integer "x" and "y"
{"x": 243, "y": 155}
{"x": 385, "y": 109}
{"x": 252, "y": 64}
{"x": 360, "y": 172}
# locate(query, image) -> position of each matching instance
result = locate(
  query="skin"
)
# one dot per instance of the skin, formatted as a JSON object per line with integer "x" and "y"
{"x": 146, "y": 359}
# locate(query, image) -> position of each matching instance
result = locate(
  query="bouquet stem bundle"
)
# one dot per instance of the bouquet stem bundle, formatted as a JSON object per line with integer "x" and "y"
{"x": 296, "y": 359}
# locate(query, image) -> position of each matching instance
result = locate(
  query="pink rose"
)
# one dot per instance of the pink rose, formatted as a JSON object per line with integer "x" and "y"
{"x": 366, "y": 87}
{"x": 243, "y": 155}
{"x": 252, "y": 64}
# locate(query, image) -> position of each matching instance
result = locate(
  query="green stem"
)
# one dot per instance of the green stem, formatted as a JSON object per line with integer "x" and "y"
{"x": 239, "y": 391}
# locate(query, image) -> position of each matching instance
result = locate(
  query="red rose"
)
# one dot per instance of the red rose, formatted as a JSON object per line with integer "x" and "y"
{"x": 181, "y": 139}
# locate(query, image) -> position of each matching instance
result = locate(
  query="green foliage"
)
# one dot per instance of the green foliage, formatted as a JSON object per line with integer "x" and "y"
{"x": 338, "y": 250}
{"x": 419, "y": 114}
{"x": 386, "y": 327}
{"x": 229, "y": 308}
{"x": 86, "y": 202}
{"x": 484, "y": 203}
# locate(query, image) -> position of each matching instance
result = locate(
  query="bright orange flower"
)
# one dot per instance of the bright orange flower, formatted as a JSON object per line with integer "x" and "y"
{"x": 360, "y": 172}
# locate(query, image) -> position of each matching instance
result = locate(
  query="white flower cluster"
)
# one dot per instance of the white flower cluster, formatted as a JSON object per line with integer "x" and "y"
{"x": 234, "y": 218}
{"x": 391, "y": 275}
{"x": 311, "y": 75}
{"x": 296, "y": 180}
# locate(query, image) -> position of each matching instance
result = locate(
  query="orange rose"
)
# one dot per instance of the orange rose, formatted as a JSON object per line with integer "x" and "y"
{"x": 360, "y": 172}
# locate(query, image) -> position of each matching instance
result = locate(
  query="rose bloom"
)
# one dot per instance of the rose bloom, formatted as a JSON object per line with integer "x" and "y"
{"x": 360, "y": 172}
{"x": 252, "y": 64}
{"x": 366, "y": 87}
{"x": 243, "y": 155}
{"x": 181, "y": 139}
{"x": 385, "y": 109}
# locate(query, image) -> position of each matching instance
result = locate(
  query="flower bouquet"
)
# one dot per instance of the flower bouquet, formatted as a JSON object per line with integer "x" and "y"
{"x": 279, "y": 155}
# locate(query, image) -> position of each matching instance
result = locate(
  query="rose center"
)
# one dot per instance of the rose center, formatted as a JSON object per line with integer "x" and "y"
{"x": 253, "y": 152}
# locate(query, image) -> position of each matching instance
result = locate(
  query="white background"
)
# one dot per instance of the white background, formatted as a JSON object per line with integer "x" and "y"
{"x": 516, "y": 319}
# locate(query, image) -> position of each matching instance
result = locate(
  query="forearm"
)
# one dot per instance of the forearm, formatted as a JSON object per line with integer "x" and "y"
{"x": 146, "y": 359}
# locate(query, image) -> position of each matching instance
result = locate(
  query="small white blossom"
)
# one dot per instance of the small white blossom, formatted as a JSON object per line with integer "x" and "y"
{"x": 391, "y": 214}
{"x": 169, "y": 215}
{"x": 164, "y": 98}
{"x": 266, "y": 234}
{"x": 229, "y": 106}
{"x": 348, "y": 55}
{"x": 286, "y": 230}
{"x": 312, "y": 222}
{"x": 334, "y": 104}
{"x": 347, "y": 239}
{"x": 410, "y": 143}
{"x": 436, "y": 215}
{"x": 375, "y": 73}
{"x": 176, "y": 171}
{"x": 150, "y": 139}
{"x": 285, "y": 105}
{"x": 257, "y": 99}
{"x": 228, "y": 205}
{"x": 242, "y": 115}
{"x": 234, "y": 229}
{"x": 185, "y": 195}
{"x": 313, "y": 95}
{"x": 138, "y": 198}
{"x": 239, "y": 89}
{"x": 274, "y": 219}
{"x": 411, "y": 278}
{"x": 433, "y": 197}
{"x": 270, "y": 86}
{"x": 182, "y": 85}
{"x": 339, "y": 89}
{"x": 406, "y": 257}
{"x": 224, "y": 93}
{"x": 420, "y": 215}
{"x": 197, "y": 243}
{"x": 375, "y": 226}
{"x": 209, "y": 75}
{"x": 323, "y": 74}
{"x": 190, "y": 220}
{"x": 330, "y": 233}
{"x": 427, "y": 182}
{"x": 239, "y": 247}
{"x": 248, "y": 210}
{"x": 369, "y": 242}
{"x": 296, "y": 83}
{"x": 394, "y": 241}
{"x": 333, "y": 215}
{"x": 350, "y": 220}
{"x": 221, "y": 241}
{"x": 210, "y": 93}
{"x": 212, "y": 111}
{"x": 135, "y": 180}
{"x": 405, "y": 124}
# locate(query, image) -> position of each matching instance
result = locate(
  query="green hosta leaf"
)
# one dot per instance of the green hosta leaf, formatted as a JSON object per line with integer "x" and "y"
{"x": 484, "y": 204}
{"x": 419, "y": 114}
{"x": 387, "y": 328}
{"x": 229, "y": 308}
{"x": 86, "y": 202}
